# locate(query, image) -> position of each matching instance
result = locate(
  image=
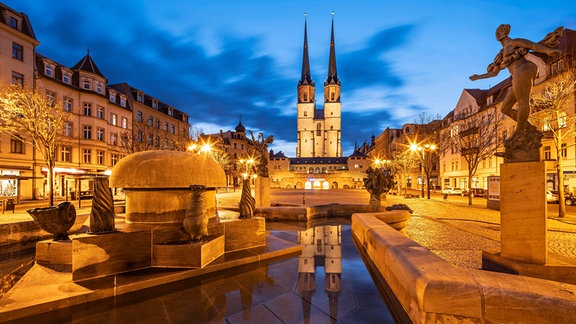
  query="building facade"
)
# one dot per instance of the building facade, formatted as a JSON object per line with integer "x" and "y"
{"x": 104, "y": 122}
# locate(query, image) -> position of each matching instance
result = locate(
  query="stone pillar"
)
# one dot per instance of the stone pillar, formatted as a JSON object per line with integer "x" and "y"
{"x": 523, "y": 212}
{"x": 262, "y": 192}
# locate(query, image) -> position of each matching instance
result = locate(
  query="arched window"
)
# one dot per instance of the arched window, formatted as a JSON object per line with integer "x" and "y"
{"x": 305, "y": 113}
{"x": 305, "y": 97}
{"x": 332, "y": 96}
{"x": 318, "y": 129}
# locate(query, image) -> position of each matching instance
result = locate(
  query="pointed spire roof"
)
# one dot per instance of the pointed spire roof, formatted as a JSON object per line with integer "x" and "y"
{"x": 240, "y": 128}
{"x": 332, "y": 73}
{"x": 306, "y": 78}
{"x": 88, "y": 65}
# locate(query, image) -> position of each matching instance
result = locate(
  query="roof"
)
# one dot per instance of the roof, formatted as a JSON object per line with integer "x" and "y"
{"x": 87, "y": 64}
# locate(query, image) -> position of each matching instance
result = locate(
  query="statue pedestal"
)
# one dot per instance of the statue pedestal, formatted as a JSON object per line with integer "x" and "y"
{"x": 523, "y": 212}
{"x": 262, "y": 192}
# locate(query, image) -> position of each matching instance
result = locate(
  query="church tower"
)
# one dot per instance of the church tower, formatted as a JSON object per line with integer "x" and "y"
{"x": 319, "y": 130}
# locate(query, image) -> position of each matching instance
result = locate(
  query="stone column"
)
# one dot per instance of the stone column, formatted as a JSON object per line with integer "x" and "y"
{"x": 262, "y": 192}
{"x": 523, "y": 212}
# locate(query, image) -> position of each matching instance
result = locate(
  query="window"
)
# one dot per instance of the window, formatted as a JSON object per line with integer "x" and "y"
{"x": 112, "y": 96}
{"x": 87, "y": 154}
{"x": 157, "y": 141}
{"x": 51, "y": 98}
{"x": 123, "y": 101}
{"x": 114, "y": 159}
{"x": 100, "y": 134}
{"x": 49, "y": 70}
{"x": 170, "y": 112}
{"x": 86, "y": 84}
{"x": 318, "y": 129}
{"x": 100, "y": 157}
{"x": 100, "y": 112}
{"x": 139, "y": 136}
{"x": 113, "y": 119}
{"x": 17, "y": 78}
{"x": 87, "y": 132}
{"x": 139, "y": 117}
{"x": 66, "y": 154}
{"x": 87, "y": 109}
{"x": 124, "y": 122}
{"x": 66, "y": 77}
{"x": 17, "y": 51}
{"x": 139, "y": 97}
{"x": 563, "y": 150}
{"x": 547, "y": 154}
{"x": 113, "y": 138}
{"x": 13, "y": 23}
{"x": 150, "y": 139}
{"x": 154, "y": 103}
{"x": 172, "y": 129}
{"x": 157, "y": 123}
{"x": 150, "y": 120}
{"x": 16, "y": 145}
{"x": 99, "y": 87}
{"x": 67, "y": 102}
{"x": 305, "y": 113}
{"x": 67, "y": 129}
{"x": 166, "y": 126}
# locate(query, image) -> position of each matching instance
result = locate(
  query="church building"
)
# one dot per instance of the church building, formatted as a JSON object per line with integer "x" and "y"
{"x": 319, "y": 161}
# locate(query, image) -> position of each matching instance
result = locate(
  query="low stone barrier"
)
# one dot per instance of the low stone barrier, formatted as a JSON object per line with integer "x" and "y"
{"x": 430, "y": 290}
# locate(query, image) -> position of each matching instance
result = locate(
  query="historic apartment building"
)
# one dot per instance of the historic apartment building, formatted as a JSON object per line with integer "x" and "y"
{"x": 108, "y": 121}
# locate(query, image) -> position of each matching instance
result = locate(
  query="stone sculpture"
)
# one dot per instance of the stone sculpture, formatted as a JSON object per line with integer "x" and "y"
{"x": 196, "y": 219}
{"x": 102, "y": 214}
{"x": 378, "y": 182}
{"x": 247, "y": 202}
{"x": 55, "y": 220}
{"x": 523, "y": 145}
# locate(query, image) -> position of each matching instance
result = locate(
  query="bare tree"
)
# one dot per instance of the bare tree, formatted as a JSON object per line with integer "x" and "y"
{"x": 402, "y": 164}
{"x": 36, "y": 117}
{"x": 552, "y": 111}
{"x": 143, "y": 137}
{"x": 475, "y": 138}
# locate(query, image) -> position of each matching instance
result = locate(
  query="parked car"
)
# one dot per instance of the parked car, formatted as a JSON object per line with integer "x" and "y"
{"x": 476, "y": 192}
{"x": 570, "y": 200}
{"x": 452, "y": 191}
{"x": 552, "y": 196}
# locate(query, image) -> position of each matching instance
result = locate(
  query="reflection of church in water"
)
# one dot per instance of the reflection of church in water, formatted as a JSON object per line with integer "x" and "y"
{"x": 319, "y": 161}
{"x": 321, "y": 247}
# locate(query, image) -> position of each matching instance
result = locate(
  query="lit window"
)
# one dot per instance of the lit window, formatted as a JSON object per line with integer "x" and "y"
{"x": 113, "y": 138}
{"x": 124, "y": 122}
{"x": 67, "y": 129}
{"x": 113, "y": 119}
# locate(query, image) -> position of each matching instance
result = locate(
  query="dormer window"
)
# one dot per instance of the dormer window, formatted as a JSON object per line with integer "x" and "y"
{"x": 99, "y": 87}
{"x": 112, "y": 96}
{"x": 170, "y": 112}
{"x": 13, "y": 23}
{"x": 49, "y": 70}
{"x": 123, "y": 101}
{"x": 86, "y": 84}
{"x": 139, "y": 97}
{"x": 155, "y": 103}
{"x": 66, "y": 77}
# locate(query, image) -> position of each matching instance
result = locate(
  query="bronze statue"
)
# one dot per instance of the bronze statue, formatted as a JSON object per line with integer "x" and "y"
{"x": 247, "y": 202}
{"x": 196, "y": 218}
{"x": 55, "y": 220}
{"x": 378, "y": 182}
{"x": 102, "y": 213}
{"x": 512, "y": 56}
{"x": 260, "y": 145}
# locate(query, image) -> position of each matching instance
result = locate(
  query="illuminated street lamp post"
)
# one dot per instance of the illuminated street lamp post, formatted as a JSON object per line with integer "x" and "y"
{"x": 423, "y": 149}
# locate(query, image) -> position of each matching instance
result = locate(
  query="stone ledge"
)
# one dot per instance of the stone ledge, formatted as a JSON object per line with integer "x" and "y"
{"x": 430, "y": 289}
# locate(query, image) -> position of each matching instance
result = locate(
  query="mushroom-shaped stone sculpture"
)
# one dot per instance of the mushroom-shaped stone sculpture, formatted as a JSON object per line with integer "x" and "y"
{"x": 157, "y": 184}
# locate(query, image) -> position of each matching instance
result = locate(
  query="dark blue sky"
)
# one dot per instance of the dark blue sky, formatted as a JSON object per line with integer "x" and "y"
{"x": 219, "y": 60}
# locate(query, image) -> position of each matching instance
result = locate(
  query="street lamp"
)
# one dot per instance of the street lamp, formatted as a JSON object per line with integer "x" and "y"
{"x": 423, "y": 149}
